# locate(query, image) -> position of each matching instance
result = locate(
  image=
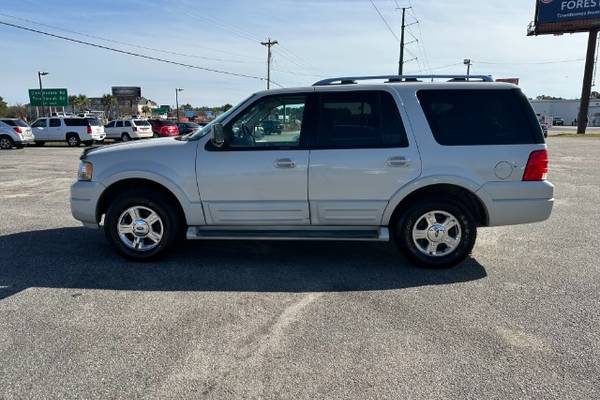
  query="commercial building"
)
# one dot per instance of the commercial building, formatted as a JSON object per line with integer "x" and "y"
{"x": 567, "y": 110}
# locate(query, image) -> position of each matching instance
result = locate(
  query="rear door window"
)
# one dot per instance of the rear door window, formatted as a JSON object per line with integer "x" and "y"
{"x": 119, "y": 124}
{"x": 480, "y": 117}
{"x": 359, "y": 119}
{"x": 54, "y": 122}
{"x": 127, "y": 123}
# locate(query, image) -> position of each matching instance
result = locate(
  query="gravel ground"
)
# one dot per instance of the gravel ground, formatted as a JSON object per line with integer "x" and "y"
{"x": 296, "y": 320}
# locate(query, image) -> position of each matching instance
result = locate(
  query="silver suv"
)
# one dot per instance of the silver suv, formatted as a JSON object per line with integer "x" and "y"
{"x": 412, "y": 160}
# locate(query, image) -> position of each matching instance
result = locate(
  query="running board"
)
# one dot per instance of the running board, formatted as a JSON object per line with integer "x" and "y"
{"x": 378, "y": 234}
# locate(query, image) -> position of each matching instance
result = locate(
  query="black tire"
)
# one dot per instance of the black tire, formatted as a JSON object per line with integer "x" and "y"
{"x": 403, "y": 234}
{"x": 172, "y": 224}
{"x": 6, "y": 143}
{"x": 125, "y": 137}
{"x": 73, "y": 140}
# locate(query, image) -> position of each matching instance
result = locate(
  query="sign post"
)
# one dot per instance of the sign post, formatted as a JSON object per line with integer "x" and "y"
{"x": 588, "y": 76}
{"x": 556, "y": 17}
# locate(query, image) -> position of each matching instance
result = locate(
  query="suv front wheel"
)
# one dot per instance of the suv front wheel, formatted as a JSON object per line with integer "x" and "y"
{"x": 142, "y": 225}
{"x": 436, "y": 235}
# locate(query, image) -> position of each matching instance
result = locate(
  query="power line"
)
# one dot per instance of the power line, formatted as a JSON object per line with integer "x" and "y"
{"x": 217, "y": 71}
{"x": 126, "y": 43}
{"x": 529, "y": 62}
{"x": 385, "y": 21}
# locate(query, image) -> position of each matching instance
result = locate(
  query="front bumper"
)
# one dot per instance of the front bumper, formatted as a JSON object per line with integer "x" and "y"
{"x": 513, "y": 203}
{"x": 84, "y": 200}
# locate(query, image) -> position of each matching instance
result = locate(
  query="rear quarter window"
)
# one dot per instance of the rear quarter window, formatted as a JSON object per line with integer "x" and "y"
{"x": 15, "y": 122}
{"x": 76, "y": 122}
{"x": 468, "y": 117}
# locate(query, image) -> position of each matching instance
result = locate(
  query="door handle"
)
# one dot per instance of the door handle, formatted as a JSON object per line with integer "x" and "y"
{"x": 397, "y": 162}
{"x": 285, "y": 163}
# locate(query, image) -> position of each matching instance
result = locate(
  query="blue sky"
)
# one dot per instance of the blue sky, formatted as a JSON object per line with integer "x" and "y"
{"x": 318, "y": 39}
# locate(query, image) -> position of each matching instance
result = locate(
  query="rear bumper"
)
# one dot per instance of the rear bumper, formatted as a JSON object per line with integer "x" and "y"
{"x": 512, "y": 203}
{"x": 84, "y": 199}
{"x": 26, "y": 140}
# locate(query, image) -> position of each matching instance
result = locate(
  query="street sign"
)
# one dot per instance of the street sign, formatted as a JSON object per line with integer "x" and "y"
{"x": 564, "y": 16}
{"x": 52, "y": 97}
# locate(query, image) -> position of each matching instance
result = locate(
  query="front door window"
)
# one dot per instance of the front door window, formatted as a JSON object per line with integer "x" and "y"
{"x": 272, "y": 122}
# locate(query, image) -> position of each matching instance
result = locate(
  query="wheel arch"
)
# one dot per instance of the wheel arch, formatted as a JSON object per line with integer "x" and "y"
{"x": 466, "y": 192}
{"x": 114, "y": 189}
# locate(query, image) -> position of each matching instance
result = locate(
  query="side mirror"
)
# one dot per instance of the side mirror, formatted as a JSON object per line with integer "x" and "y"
{"x": 219, "y": 138}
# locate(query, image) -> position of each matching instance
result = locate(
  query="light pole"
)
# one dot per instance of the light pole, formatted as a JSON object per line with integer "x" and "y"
{"x": 40, "y": 74}
{"x": 177, "y": 90}
{"x": 468, "y": 63}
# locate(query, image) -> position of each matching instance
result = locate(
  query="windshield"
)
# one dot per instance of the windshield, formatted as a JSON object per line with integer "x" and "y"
{"x": 204, "y": 131}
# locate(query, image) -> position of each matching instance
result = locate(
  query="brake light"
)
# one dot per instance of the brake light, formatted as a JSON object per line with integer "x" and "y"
{"x": 537, "y": 166}
{"x": 18, "y": 129}
{"x": 89, "y": 129}
{"x": 134, "y": 128}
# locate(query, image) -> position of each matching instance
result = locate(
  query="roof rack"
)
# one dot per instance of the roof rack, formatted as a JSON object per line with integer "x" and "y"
{"x": 349, "y": 80}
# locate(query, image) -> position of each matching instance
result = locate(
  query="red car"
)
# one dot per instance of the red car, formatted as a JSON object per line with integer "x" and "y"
{"x": 163, "y": 127}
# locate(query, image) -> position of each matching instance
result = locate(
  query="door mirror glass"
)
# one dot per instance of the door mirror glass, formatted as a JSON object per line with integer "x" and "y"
{"x": 219, "y": 139}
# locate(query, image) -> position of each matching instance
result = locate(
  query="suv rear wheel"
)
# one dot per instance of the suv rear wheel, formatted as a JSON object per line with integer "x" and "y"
{"x": 436, "y": 235}
{"x": 73, "y": 140}
{"x": 125, "y": 137}
{"x": 142, "y": 225}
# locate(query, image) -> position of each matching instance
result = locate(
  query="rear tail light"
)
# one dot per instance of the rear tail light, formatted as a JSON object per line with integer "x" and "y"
{"x": 134, "y": 129}
{"x": 18, "y": 129}
{"x": 89, "y": 129}
{"x": 537, "y": 166}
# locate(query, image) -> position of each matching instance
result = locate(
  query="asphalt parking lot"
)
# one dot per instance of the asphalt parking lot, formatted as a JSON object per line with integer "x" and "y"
{"x": 272, "y": 320}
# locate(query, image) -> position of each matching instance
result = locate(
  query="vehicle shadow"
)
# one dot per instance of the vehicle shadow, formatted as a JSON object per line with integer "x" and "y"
{"x": 81, "y": 258}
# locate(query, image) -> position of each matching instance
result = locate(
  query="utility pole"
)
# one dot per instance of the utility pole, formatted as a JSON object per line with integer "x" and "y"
{"x": 177, "y": 90}
{"x": 586, "y": 91}
{"x": 468, "y": 63}
{"x": 270, "y": 43}
{"x": 40, "y": 74}
{"x": 401, "y": 60}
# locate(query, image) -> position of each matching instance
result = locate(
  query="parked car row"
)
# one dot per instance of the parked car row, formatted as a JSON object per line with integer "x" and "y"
{"x": 75, "y": 130}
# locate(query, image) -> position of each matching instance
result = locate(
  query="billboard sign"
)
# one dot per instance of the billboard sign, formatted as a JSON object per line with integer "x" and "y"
{"x": 565, "y": 16}
{"x": 127, "y": 92}
{"x": 52, "y": 97}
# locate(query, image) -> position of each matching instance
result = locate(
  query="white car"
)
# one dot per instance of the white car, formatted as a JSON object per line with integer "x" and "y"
{"x": 128, "y": 129}
{"x": 14, "y": 133}
{"x": 419, "y": 163}
{"x": 73, "y": 130}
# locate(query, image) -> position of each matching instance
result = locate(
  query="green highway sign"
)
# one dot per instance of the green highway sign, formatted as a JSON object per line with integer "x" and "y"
{"x": 52, "y": 97}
